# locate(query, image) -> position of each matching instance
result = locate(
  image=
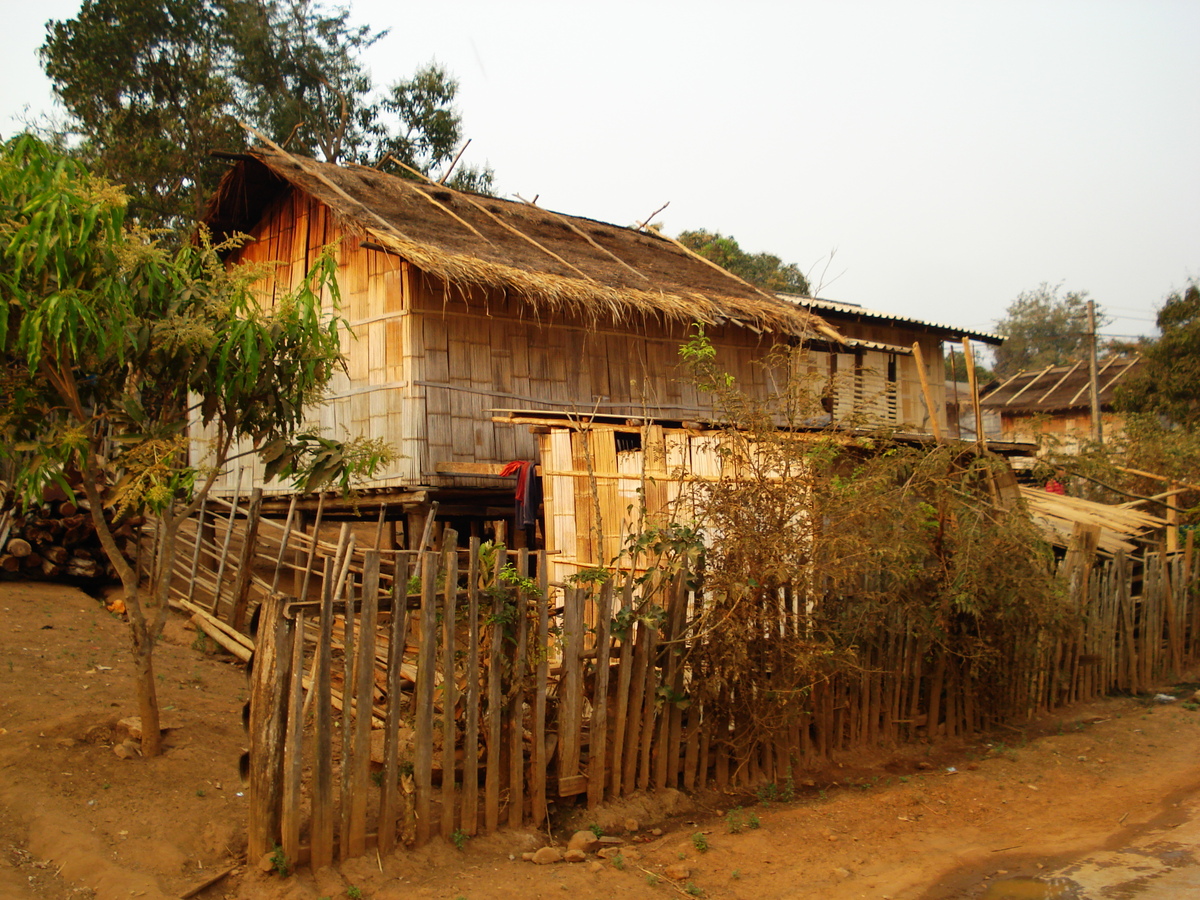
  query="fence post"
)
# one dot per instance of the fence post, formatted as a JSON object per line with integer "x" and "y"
{"x": 268, "y": 714}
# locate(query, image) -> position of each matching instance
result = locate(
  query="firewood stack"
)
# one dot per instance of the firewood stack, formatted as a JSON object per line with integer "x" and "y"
{"x": 57, "y": 539}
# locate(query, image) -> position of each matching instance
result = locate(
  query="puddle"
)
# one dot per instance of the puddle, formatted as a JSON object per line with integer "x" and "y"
{"x": 1029, "y": 889}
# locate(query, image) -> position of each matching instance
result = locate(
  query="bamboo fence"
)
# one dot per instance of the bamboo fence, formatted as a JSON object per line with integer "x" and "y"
{"x": 403, "y": 695}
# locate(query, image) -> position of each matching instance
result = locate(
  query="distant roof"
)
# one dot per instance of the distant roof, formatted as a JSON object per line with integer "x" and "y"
{"x": 1056, "y": 388}
{"x": 833, "y": 310}
{"x": 551, "y": 260}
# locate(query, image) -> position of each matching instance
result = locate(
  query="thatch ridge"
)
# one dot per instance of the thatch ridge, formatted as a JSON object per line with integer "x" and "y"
{"x": 613, "y": 272}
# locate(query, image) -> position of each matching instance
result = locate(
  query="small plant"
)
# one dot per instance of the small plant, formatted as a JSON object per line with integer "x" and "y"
{"x": 596, "y": 830}
{"x": 734, "y": 821}
{"x": 354, "y": 893}
{"x": 459, "y": 838}
{"x": 700, "y": 842}
{"x": 753, "y": 821}
{"x": 200, "y": 792}
{"x": 768, "y": 793}
{"x": 693, "y": 890}
{"x": 619, "y": 862}
{"x": 280, "y": 862}
{"x": 736, "y": 874}
{"x": 651, "y": 879}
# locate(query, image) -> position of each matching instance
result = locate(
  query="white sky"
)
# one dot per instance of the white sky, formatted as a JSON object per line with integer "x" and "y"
{"x": 952, "y": 153}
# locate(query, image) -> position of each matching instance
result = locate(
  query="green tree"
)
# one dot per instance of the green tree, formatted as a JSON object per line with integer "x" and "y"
{"x": 146, "y": 85}
{"x": 1169, "y": 384}
{"x": 764, "y": 270}
{"x": 191, "y": 70}
{"x": 112, "y": 343}
{"x": 1040, "y": 329}
{"x": 956, "y": 369}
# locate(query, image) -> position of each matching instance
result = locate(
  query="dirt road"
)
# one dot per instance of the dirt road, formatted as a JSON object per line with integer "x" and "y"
{"x": 1104, "y": 801}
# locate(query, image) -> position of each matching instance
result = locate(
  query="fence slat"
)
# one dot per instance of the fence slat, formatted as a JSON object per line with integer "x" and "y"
{"x": 360, "y": 757}
{"x": 537, "y": 795}
{"x": 470, "y": 785}
{"x": 426, "y": 672}
{"x": 390, "y": 789}
{"x": 491, "y": 787}
{"x": 570, "y": 701}
{"x": 516, "y": 703}
{"x": 348, "y": 643}
{"x": 649, "y": 704}
{"x": 637, "y": 687}
{"x": 322, "y": 815}
{"x": 268, "y": 710}
{"x": 598, "y": 729}
{"x": 449, "y": 687}
{"x": 292, "y": 752}
{"x": 621, "y": 705}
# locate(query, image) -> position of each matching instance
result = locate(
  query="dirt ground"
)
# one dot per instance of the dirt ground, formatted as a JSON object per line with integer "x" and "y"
{"x": 1103, "y": 801}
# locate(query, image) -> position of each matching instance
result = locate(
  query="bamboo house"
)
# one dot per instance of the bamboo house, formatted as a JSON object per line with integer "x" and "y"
{"x": 473, "y": 317}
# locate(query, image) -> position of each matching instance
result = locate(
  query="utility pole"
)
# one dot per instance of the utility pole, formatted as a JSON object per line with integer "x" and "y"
{"x": 1094, "y": 388}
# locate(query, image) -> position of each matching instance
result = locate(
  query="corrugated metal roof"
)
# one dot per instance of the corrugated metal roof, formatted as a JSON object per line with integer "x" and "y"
{"x": 853, "y": 309}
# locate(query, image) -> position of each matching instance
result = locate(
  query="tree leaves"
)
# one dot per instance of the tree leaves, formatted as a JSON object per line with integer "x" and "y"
{"x": 191, "y": 70}
{"x": 764, "y": 270}
{"x": 1041, "y": 329}
{"x": 1169, "y": 383}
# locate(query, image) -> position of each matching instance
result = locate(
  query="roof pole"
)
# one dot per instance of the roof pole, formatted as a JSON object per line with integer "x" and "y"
{"x": 1093, "y": 379}
{"x": 969, "y": 359}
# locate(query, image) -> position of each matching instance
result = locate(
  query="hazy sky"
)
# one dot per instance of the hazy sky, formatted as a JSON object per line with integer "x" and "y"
{"x": 947, "y": 155}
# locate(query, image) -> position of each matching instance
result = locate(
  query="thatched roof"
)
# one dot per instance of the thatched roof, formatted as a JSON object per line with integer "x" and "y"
{"x": 551, "y": 260}
{"x": 1061, "y": 388}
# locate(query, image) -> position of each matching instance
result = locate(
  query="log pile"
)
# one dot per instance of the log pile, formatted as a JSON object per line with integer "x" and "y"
{"x": 56, "y": 540}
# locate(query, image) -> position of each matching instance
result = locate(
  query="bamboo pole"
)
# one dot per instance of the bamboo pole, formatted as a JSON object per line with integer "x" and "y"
{"x": 934, "y": 423}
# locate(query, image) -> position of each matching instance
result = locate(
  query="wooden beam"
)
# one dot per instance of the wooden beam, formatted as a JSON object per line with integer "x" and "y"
{"x": 516, "y": 231}
{"x": 579, "y": 231}
{"x": 933, "y": 416}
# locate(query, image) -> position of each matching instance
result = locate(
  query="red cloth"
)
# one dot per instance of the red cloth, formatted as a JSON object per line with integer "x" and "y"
{"x": 1055, "y": 487}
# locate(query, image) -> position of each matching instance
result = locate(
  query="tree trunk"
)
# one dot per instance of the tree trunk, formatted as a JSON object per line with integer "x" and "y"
{"x": 143, "y": 660}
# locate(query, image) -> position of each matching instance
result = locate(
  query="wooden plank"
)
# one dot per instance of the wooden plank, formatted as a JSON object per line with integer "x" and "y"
{"x": 397, "y": 638}
{"x": 360, "y": 759}
{"x": 293, "y": 748}
{"x": 570, "y": 709}
{"x": 322, "y": 814}
{"x": 449, "y": 699}
{"x": 268, "y": 710}
{"x": 516, "y": 705}
{"x": 470, "y": 780}
{"x": 598, "y": 730}
{"x": 537, "y": 793}
{"x": 423, "y": 704}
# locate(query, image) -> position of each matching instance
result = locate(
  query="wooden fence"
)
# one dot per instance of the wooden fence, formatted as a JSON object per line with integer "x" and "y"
{"x": 403, "y": 695}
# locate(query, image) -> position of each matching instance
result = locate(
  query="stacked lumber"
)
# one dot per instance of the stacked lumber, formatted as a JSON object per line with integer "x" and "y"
{"x": 57, "y": 540}
{"x": 1058, "y": 515}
